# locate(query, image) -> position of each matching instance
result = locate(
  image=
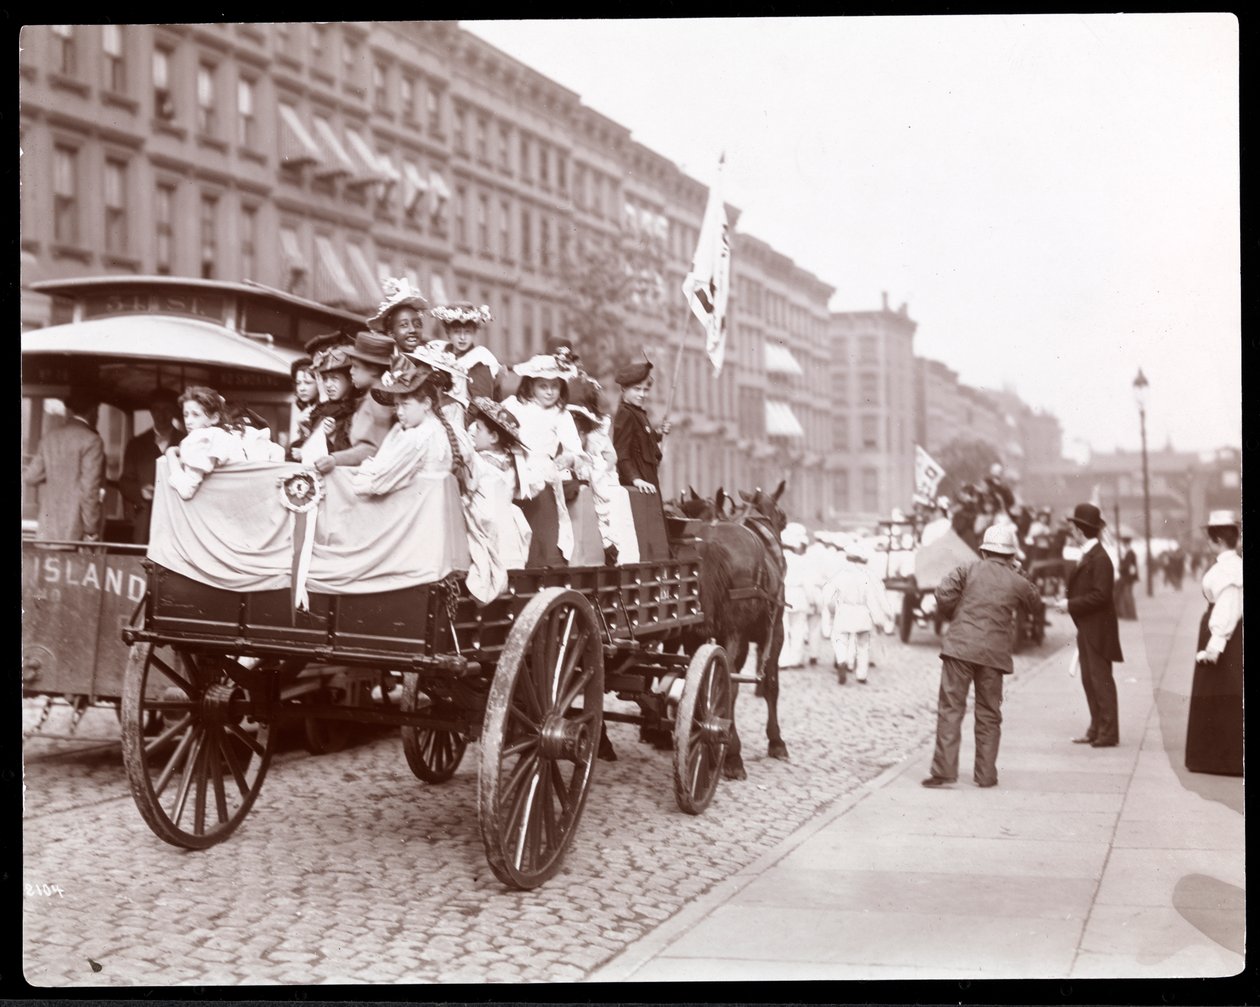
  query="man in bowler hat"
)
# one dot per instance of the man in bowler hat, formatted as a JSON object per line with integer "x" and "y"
{"x": 1091, "y": 603}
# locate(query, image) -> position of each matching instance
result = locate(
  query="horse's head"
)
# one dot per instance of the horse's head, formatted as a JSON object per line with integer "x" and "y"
{"x": 697, "y": 507}
{"x": 767, "y": 505}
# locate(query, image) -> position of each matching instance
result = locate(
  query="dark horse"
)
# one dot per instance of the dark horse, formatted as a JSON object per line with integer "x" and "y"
{"x": 741, "y": 594}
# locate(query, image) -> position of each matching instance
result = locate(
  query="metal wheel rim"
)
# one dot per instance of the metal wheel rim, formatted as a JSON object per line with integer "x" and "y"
{"x": 196, "y": 780}
{"x": 548, "y": 686}
{"x": 699, "y": 742}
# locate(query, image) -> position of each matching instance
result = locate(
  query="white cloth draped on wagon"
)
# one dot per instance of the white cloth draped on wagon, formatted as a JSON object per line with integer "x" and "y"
{"x": 236, "y": 533}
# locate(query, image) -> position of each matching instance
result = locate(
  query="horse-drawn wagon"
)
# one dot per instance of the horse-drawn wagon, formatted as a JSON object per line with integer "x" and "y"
{"x": 524, "y": 675}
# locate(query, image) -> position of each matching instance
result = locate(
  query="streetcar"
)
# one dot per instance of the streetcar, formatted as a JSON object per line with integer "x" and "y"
{"x": 125, "y": 337}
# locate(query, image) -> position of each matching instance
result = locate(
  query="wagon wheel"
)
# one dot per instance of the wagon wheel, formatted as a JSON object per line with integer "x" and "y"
{"x": 702, "y": 727}
{"x": 907, "y": 616}
{"x": 542, "y": 725}
{"x": 197, "y": 779}
{"x": 432, "y": 753}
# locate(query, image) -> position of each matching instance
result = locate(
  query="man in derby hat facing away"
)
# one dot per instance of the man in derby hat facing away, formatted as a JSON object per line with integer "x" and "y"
{"x": 1091, "y": 603}
{"x": 980, "y": 598}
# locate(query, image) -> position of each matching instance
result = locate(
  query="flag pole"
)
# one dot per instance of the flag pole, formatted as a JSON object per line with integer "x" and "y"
{"x": 673, "y": 385}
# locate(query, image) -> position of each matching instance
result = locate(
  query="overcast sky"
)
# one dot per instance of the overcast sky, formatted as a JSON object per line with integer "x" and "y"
{"x": 1055, "y": 197}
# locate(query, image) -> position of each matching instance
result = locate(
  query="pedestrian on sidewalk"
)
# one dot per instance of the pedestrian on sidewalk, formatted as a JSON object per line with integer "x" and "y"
{"x": 1214, "y": 732}
{"x": 1091, "y": 603}
{"x": 1125, "y": 607}
{"x": 981, "y": 599}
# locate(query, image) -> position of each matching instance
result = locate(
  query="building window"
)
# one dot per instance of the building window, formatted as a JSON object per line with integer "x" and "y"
{"x": 483, "y": 224}
{"x": 562, "y": 174}
{"x": 209, "y": 236}
{"x": 579, "y": 186}
{"x": 115, "y": 206}
{"x": 868, "y": 388}
{"x": 527, "y": 236}
{"x": 870, "y": 433}
{"x": 164, "y": 214}
{"x": 407, "y": 96}
{"x": 249, "y": 240}
{"x": 544, "y": 242}
{"x": 163, "y": 103}
{"x": 205, "y": 99}
{"x": 870, "y": 490}
{"x": 284, "y": 38}
{"x": 505, "y": 148}
{"x": 544, "y": 165}
{"x": 380, "y": 99}
{"x": 868, "y": 350}
{"x": 461, "y": 216}
{"x": 317, "y": 44}
{"x": 115, "y": 68}
{"x": 546, "y": 325}
{"x": 63, "y": 48}
{"x": 248, "y": 123}
{"x": 505, "y": 230}
{"x": 461, "y": 139}
{"x": 840, "y": 434}
{"x": 65, "y": 195}
{"x": 483, "y": 148}
{"x": 433, "y": 106}
{"x": 527, "y": 169}
{"x": 349, "y": 62}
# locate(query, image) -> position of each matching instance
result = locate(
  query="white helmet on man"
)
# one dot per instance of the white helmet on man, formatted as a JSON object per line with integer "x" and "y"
{"x": 1000, "y": 539}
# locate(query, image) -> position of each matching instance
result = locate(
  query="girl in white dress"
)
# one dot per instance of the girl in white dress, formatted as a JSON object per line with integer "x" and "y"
{"x": 500, "y": 475}
{"x": 555, "y": 449}
{"x": 207, "y": 445}
{"x": 612, "y": 501}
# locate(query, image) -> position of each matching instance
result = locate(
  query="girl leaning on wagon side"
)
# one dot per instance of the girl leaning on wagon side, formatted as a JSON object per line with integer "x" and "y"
{"x": 1214, "y": 732}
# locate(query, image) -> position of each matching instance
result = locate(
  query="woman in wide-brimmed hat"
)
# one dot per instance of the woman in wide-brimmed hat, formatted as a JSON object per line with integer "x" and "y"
{"x": 501, "y": 476}
{"x": 1214, "y": 732}
{"x": 368, "y": 359}
{"x": 401, "y": 314}
{"x": 328, "y": 428}
{"x": 462, "y": 324}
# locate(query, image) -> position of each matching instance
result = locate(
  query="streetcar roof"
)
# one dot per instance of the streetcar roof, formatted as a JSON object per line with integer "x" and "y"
{"x": 82, "y": 286}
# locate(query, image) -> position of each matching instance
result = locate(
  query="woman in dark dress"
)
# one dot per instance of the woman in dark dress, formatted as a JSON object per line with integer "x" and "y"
{"x": 1214, "y": 734}
{"x": 1125, "y": 607}
{"x": 638, "y": 447}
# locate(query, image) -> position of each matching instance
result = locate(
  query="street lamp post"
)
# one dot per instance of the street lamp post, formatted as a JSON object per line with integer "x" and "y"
{"x": 1140, "y": 385}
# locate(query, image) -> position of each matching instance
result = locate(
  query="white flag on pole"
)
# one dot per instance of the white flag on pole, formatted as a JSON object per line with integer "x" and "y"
{"x": 707, "y": 286}
{"x": 927, "y": 473}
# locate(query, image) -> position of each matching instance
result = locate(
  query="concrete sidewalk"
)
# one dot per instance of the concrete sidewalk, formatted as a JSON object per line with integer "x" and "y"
{"x": 1081, "y": 863}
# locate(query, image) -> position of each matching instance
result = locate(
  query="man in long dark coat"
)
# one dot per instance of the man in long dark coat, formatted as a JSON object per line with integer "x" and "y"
{"x": 1091, "y": 603}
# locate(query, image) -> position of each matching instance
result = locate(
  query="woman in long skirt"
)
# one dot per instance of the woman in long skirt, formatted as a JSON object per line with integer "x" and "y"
{"x": 1214, "y": 734}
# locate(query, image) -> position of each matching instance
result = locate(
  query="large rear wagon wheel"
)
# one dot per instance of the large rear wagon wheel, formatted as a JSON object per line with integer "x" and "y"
{"x": 196, "y": 779}
{"x": 432, "y": 753}
{"x": 541, "y": 731}
{"x": 702, "y": 728}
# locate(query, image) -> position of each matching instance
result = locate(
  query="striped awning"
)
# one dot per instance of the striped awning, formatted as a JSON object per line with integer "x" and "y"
{"x": 415, "y": 185}
{"x": 364, "y": 279}
{"x": 439, "y": 192}
{"x": 369, "y": 165}
{"x": 779, "y": 360}
{"x": 332, "y": 284}
{"x": 297, "y": 146}
{"x": 336, "y": 160}
{"x": 781, "y": 421}
{"x": 291, "y": 252}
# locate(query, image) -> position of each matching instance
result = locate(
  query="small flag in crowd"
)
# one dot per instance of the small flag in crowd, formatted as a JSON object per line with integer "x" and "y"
{"x": 707, "y": 286}
{"x": 927, "y": 473}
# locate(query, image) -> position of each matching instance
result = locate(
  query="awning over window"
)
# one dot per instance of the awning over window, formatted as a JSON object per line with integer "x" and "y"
{"x": 291, "y": 252}
{"x": 332, "y": 284}
{"x": 369, "y": 167}
{"x": 390, "y": 176}
{"x": 781, "y": 421}
{"x": 779, "y": 360}
{"x": 415, "y": 185}
{"x": 438, "y": 191}
{"x": 336, "y": 160}
{"x": 297, "y": 146}
{"x": 365, "y": 280}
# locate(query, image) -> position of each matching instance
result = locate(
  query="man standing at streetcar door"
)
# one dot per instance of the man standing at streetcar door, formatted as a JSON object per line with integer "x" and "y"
{"x": 69, "y": 469}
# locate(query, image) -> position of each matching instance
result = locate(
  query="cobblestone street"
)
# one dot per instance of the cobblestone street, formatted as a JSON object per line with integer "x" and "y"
{"x": 349, "y": 870}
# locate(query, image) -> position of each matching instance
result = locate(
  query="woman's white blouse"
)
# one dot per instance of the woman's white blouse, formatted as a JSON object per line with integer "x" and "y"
{"x": 1223, "y": 588}
{"x": 403, "y": 455}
